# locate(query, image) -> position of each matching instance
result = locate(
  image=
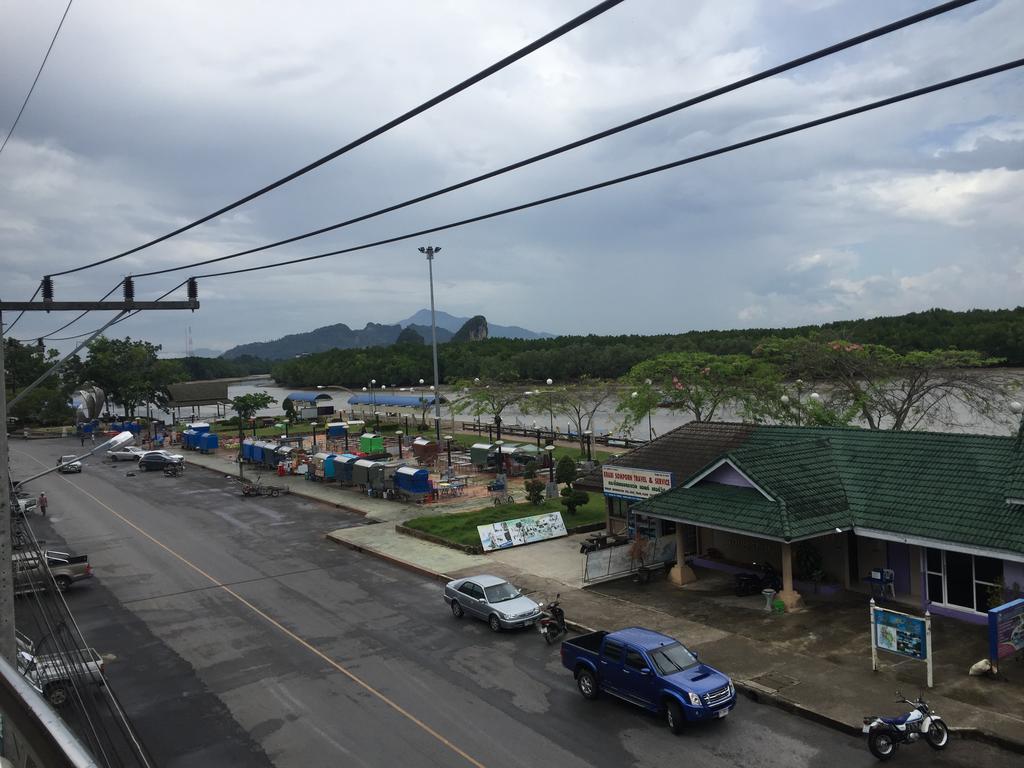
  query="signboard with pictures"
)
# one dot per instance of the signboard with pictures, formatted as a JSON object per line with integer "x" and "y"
{"x": 902, "y": 634}
{"x": 631, "y": 483}
{"x": 524, "y": 530}
{"x": 1006, "y": 631}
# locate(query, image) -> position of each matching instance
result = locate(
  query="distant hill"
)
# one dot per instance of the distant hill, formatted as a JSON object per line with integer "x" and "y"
{"x": 453, "y": 324}
{"x": 338, "y": 336}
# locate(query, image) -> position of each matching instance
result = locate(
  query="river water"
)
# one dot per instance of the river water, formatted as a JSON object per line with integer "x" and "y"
{"x": 606, "y": 420}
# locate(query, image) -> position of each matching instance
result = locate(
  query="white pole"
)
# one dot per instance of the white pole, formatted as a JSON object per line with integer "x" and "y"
{"x": 874, "y": 647}
{"x": 928, "y": 643}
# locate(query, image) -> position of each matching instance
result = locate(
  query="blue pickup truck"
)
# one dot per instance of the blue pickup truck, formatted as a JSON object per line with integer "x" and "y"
{"x": 651, "y": 670}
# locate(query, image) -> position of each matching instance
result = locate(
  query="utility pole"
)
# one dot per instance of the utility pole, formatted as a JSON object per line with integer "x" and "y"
{"x": 8, "y": 646}
{"x": 430, "y": 251}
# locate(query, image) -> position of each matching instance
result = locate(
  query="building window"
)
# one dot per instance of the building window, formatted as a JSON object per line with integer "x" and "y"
{"x": 961, "y": 580}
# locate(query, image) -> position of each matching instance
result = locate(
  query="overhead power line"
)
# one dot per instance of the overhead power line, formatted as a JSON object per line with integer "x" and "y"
{"x": 34, "y": 81}
{"x": 583, "y": 18}
{"x": 736, "y": 85}
{"x": 649, "y": 171}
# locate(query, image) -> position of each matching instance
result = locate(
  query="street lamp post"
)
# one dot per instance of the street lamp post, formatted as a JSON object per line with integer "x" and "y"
{"x": 501, "y": 465}
{"x": 376, "y": 421}
{"x": 551, "y": 409}
{"x": 399, "y": 433}
{"x": 588, "y": 434}
{"x": 448, "y": 441}
{"x": 552, "y": 488}
{"x": 429, "y": 252}
{"x": 650, "y": 427}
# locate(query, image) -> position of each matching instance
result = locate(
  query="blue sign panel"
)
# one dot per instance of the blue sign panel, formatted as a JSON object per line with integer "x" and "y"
{"x": 900, "y": 633}
{"x": 1006, "y": 630}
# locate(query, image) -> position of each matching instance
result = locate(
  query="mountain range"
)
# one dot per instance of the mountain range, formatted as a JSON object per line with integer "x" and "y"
{"x": 341, "y": 336}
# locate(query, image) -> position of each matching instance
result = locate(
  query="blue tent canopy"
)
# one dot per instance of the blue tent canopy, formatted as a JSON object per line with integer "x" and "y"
{"x": 408, "y": 401}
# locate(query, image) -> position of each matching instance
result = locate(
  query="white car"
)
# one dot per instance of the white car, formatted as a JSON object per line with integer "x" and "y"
{"x": 127, "y": 453}
{"x": 70, "y": 465}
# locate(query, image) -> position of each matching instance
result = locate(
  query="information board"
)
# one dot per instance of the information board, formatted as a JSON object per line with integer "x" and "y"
{"x": 524, "y": 530}
{"x": 1006, "y": 630}
{"x": 631, "y": 483}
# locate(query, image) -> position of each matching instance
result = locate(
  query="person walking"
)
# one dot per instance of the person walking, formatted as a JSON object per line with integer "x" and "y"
{"x": 92, "y": 437}
{"x": 43, "y": 502}
{"x": 81, "y": 437}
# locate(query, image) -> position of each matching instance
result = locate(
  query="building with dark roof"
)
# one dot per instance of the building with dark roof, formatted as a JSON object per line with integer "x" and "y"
{"x": 933, "y": 518}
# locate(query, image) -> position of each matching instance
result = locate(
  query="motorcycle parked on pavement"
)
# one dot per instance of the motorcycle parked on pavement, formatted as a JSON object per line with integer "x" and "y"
{"x": 753, "y": 583}
{"x": 885, "y": 734}
{"x": 552, "y": 621}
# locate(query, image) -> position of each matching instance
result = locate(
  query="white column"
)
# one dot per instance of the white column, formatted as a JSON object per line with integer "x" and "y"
{"x": 681, "y": 573}
{"x": 788, "y": 595}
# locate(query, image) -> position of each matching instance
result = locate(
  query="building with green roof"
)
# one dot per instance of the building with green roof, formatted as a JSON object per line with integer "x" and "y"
{"x": 930, "y": 518}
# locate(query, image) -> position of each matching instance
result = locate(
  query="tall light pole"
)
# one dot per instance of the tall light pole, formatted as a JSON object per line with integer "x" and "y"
{"x": 551, "y": 409}
{"x": 429, "y": 251}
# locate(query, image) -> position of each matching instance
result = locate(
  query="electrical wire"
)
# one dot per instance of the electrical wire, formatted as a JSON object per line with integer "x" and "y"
{"x": 583, "y": 18}
{"x": 647, "y": 172}
{"x": 707, "y": 96}
{"x": 35, "y": 80}
{"x": 14, "y": 322}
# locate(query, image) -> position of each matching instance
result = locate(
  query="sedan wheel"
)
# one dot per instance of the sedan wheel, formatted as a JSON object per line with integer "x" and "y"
{"x": 457, "y": 611}
{"x": 494, "y": 623}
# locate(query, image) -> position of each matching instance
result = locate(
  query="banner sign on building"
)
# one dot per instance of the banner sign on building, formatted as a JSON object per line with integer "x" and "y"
{"x": 902, "y": 634}
{"x": 525, "y": 530}
{"x": 1005, "y": 630}
{"x": 629, "y": 483}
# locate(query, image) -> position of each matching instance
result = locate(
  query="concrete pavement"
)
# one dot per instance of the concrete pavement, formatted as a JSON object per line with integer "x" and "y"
{"x": 782, "y": 660}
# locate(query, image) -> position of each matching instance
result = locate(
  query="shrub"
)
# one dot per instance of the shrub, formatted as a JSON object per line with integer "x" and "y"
{"x": 571, "y": 499}
{"x": 535, "y": 491}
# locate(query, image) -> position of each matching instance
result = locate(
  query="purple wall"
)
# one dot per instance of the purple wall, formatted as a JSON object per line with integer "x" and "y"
{"x": 727, "y": 475}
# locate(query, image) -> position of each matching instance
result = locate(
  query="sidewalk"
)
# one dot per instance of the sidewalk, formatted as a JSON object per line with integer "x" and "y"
{"x": 816, "y": 663}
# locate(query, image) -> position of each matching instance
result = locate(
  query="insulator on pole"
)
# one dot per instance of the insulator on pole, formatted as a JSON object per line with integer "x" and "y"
{"x": 47, "y": 289}
{"x": 193, "y": 290}
{"x": 129, "y": 290}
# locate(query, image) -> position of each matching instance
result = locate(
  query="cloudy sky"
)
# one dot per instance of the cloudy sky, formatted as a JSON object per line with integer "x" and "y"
{"x": 149, "y": 115}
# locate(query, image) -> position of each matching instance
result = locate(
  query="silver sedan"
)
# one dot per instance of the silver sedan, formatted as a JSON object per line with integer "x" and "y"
{"x": 491, "y": 599}
{"x": 126, "y": 453}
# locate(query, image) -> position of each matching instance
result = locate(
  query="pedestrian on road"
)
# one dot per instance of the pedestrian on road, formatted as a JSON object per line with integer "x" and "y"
{"x": 92, "y": 437}
{"x": 81, "y": 436}
{"x": 43, "y": 502}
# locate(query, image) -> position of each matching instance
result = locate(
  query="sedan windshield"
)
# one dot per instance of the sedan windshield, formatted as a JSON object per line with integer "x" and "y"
{"x": 499, "y": 593}
{"x": 672, "y": 658}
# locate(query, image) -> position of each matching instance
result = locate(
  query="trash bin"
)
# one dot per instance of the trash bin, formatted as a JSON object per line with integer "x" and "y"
{"x": 778, "y": 606}
{"x": 769, "y": 596}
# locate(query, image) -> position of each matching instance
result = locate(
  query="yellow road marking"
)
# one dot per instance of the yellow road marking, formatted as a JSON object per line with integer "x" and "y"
{"x": 273, "y": 622}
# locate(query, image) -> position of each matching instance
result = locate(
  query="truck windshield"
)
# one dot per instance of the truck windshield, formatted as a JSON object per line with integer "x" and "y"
{"x": 499, "y": 593}
{"x": 672, "y": 658}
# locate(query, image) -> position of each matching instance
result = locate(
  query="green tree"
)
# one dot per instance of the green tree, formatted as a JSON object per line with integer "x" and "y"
{"x": 535, "y": 490}
{"x": 889, "y": 390}
{"x": 565, "y": 471}
{"x": 480, "y": 398}
{"x": 572, "y": 499}
{"x": 129, "y": 371}
{"x": 247, "y": 406}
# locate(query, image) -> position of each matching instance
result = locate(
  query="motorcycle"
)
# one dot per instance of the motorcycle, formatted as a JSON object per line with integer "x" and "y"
{"x": 552, "y": 621}
{"x": 885, "y": 734}
{"x": 174, "y": 470}
{"x": 753, "y": 583}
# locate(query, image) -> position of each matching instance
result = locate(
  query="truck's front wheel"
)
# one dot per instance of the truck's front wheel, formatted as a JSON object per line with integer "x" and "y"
{"x": 587, "y": 684}
{"x": 674, "y": 716}
{"x": 57, "y": 694}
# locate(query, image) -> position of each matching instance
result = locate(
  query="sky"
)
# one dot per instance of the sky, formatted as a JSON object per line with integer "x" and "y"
{"x": 150, "y": 115}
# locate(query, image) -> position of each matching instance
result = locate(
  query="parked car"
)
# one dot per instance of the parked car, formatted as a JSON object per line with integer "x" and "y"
{"x": 651, "y": 670}
{"x": 127, "y": 453}
{"x": 493, "y": 600}
{"x": 54, "y": 674}
{"x": 69, "y": 464}
{"x": 159, "y": 459}
{"x": 30, "y": 571}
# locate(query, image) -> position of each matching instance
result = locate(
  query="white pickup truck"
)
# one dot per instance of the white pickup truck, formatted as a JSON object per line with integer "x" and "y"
{"x": 55, "y": 674}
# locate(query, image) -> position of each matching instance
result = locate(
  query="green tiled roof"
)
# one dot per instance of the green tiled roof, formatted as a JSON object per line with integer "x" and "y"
{"x": 722, "y": 506}
{"x": 946, "y": 487}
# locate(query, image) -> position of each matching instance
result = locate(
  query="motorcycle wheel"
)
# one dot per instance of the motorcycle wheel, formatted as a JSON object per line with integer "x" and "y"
{"x": 549, "y": 635}
{"x": 937, "y": 735}
{"x": 882, "y": 745}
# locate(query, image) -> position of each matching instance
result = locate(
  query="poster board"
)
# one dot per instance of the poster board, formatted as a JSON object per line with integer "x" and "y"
{"x": 523, "y": 530}
{"x": 1005, "y": 630}
{"x": 901, "y": 634}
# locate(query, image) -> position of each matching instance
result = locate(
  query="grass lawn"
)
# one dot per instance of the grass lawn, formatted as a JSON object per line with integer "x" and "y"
{"x": 461, "y": 528}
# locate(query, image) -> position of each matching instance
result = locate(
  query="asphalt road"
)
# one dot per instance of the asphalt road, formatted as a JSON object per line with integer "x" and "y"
{"x": 241, "y": 637}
